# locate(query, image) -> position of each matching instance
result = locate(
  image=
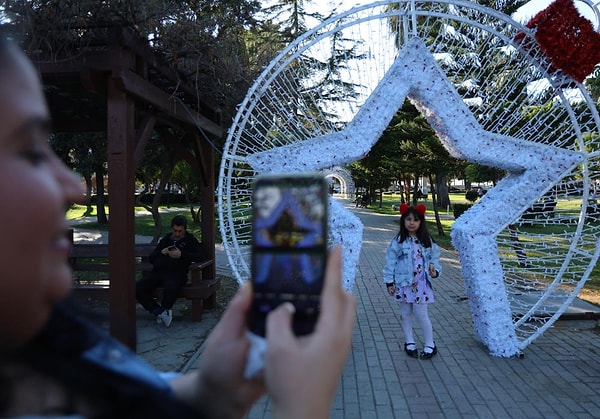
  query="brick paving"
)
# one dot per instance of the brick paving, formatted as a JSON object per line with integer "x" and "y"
{"x": 558, "y": 377}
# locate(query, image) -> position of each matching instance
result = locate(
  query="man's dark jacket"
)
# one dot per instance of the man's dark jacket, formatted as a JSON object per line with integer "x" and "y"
{"x": 191, "y": 251}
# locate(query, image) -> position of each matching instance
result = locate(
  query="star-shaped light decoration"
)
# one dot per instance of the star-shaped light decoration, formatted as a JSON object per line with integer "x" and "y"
{"x": 531, "y": 166}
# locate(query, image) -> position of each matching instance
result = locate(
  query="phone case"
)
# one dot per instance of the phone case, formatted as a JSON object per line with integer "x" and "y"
{"x": 289, "y": 248}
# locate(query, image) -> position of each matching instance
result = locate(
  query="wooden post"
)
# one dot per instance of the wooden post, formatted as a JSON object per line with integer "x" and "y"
{"x": 121, "y": 196}
{"x": 207, "y": 202}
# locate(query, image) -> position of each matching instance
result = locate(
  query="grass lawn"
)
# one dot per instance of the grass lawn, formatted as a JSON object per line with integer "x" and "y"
{"x": 144, "y": 224}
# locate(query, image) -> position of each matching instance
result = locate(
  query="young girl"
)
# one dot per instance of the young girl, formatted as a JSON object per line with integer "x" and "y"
{"x": 412, "y": 257}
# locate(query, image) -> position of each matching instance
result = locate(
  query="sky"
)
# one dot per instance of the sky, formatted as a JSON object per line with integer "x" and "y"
{"x": 524, "y": 14}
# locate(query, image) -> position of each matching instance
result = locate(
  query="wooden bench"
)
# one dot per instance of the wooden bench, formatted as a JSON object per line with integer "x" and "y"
{"x": 201, "y": 290}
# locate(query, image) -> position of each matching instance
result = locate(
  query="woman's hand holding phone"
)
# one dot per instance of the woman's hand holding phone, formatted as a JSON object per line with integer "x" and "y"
{"x": 305, "y": 351}
{"x": 302, "y": 372}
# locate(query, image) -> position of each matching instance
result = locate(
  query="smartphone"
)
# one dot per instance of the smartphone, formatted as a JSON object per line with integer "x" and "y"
{"x": 289, "y": 247}
{"x": 171, "y": 248}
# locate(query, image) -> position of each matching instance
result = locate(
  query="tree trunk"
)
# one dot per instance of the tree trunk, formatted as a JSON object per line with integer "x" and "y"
{"x": 88, "y": 194}
{"x": 438, "y": 222}
{"x": 415, "y": 189}
{"x": 441, "y": 189}
{"x": 518, "y": 247}
{"x": 195, "y": 214}
{"x": 100, "y": 201}
{"x": 165, "y": 174}
{"x": 401, "y": 190}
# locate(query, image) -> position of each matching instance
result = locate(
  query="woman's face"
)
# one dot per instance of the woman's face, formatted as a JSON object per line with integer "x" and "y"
{"x": 36, "y": 189}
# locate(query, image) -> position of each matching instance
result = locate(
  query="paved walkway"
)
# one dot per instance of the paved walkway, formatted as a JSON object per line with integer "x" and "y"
{"x": 559, "y": 377}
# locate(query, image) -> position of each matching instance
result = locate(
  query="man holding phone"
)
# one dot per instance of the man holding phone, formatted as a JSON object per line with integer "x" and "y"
{"x": 170, "y": 259}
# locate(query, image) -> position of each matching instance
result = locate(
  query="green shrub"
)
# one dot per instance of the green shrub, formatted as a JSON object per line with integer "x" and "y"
{"x": 458, "y": 209}
{"x": 471, "y": 195}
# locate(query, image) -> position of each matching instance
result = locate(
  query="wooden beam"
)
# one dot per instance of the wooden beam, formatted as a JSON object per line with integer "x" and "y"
{"x": 135, "y": 43}
{"x": 147, "y": 126}
{"x": 121, "y": 188}
{"x": 202, "y": 159}
{"x": 96, "y": 60}
{"x": 60, "y": 124}
{"x": 207, "y": 202}
{"x": 145, "y": 91}
{"x": 93, "y": 81}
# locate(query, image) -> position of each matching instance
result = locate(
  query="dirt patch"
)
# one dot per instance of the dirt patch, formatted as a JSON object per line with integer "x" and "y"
{"x": 591, "y": 296}
{"x": 229, "y": 287}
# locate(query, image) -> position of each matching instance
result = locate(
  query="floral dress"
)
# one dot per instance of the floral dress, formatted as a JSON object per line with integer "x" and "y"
{"x": 422, "y": 293}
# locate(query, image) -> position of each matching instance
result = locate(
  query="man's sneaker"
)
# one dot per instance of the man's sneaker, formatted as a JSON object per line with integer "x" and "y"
{"x": 166, "y": 317}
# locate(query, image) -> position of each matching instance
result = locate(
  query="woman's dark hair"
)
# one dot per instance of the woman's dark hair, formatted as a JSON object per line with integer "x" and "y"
{"x": 5, "y": 47}
{"x": 7, "y": 50}
{"x": 422, "y": 233}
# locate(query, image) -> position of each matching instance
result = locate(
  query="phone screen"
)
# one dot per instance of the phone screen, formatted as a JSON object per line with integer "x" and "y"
{"x": 289, "y": 247}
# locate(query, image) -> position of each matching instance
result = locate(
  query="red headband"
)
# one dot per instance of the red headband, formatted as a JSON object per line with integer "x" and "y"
{"x": 419, "y": 208}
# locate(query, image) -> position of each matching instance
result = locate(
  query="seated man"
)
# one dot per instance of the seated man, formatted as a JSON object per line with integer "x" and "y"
{"x": 171, "y": 259}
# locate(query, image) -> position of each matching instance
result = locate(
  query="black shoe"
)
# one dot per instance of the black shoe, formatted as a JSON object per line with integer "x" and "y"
{"x": 413, "y": 353}
{"x": 429, "y": 355}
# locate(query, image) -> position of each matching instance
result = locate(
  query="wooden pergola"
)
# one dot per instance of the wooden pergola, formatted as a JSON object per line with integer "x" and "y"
{"x": 121, "y": 87}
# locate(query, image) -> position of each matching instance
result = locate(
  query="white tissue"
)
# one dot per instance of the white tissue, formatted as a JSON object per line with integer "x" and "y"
{"x": 256, "y": 355}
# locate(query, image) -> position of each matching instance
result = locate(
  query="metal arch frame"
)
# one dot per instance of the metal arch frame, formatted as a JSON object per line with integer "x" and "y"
{"x": 595, "y": 9}
{"x": 344, "y": 176}
{"x": 322, "y": 31}
{"x": 238, "y": 263}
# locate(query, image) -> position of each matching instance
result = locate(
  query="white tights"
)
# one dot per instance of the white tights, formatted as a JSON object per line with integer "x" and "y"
{"x": 422, "y": 316}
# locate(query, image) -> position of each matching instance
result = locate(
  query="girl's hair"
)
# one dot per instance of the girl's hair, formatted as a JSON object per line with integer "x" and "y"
{"x": 422, "y": 233}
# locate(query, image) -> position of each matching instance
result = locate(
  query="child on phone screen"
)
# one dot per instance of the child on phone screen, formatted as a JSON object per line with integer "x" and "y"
{"x": 412, "y": 258}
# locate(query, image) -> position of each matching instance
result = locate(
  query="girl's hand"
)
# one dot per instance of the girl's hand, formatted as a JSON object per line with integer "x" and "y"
{"x": 432, "y": 271}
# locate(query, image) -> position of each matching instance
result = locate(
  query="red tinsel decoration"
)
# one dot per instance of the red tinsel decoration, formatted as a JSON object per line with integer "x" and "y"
{"x": 567, "y": 38}
{"x": 421, "y": 209}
